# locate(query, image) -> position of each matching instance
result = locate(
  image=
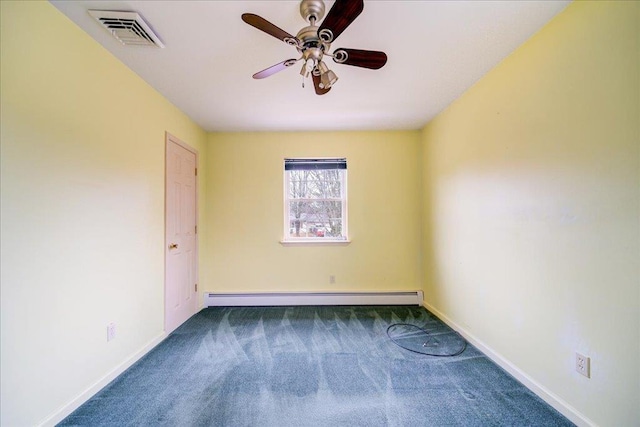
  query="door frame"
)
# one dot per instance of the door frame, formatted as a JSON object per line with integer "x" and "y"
{"x": 171, "y": 139}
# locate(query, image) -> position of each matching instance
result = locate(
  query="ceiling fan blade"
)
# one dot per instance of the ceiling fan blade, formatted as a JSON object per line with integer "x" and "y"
{"x": 266, "y": 26}
{"x": 372, "y": 59}
{"x": 274, "y": 69}
{"x": 316, "y": 85}
{"x": 341, "y": 15}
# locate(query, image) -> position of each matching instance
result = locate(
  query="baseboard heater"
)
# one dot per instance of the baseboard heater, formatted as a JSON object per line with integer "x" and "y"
{"x": 312, "y": 298}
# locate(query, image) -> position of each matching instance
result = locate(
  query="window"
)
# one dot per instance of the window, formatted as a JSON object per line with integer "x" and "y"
{"x": 315, "y": 200}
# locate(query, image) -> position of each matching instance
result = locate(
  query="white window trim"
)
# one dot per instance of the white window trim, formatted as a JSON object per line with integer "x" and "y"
{"x": 294, "y": 241}
{"x": 302, "y": 241}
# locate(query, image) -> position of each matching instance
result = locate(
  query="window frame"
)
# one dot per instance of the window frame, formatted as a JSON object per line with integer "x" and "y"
{"x": 287, "y": 238}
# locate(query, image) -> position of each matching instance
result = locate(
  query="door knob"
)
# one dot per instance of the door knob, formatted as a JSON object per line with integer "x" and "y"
{"x": 173, "y": 246}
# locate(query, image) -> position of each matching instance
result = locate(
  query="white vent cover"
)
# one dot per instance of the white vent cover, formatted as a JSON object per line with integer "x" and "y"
{"x": 127, "y": 27}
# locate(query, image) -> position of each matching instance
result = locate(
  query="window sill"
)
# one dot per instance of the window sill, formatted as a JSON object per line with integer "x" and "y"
{"x": 315, "y": 242}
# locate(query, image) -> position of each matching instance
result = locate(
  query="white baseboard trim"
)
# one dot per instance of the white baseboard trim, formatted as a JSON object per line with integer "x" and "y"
{"x": 556, "y": 402}
{"x": 212, "y": 299}
{"x": 67, "y": 409}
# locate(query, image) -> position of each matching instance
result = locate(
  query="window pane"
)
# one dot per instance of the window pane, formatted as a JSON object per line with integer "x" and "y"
{"x": 315, "y": 184}
{"x": 315, "y": 218}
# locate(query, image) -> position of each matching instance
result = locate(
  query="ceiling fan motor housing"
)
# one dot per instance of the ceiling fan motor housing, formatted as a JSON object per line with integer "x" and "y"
{"x": 311, "y": 47}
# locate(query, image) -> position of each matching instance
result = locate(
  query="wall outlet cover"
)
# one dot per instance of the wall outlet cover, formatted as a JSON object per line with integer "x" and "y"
{"x": 111, "y": 331}
{"x": 583, "y": 365}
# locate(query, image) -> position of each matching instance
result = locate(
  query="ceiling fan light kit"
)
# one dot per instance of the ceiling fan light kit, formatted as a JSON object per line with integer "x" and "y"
{"x": 313, "y": 42}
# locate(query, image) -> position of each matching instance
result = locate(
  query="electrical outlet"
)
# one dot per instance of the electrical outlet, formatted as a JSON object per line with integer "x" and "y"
{"x": 111, "y": 331}
{"x": 583, "y": 365}
{"x": 332, "y": 279}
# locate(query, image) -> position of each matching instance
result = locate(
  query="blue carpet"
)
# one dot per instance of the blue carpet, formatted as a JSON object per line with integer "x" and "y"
{"x": 310, "y": 366}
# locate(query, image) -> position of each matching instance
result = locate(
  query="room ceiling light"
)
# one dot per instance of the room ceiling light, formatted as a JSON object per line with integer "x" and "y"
{"x": 313, "y": 42}
{"x": 327, "y": 77}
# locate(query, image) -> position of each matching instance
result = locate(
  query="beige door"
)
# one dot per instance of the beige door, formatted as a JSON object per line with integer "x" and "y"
{"x": 181, "y": 234}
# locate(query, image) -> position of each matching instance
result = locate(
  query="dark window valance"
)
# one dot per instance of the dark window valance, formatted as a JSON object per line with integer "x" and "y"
{"x": 314, "y": 164}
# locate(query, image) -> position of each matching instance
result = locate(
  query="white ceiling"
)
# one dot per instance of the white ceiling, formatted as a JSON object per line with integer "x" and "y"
{"x": 436, "y": 51}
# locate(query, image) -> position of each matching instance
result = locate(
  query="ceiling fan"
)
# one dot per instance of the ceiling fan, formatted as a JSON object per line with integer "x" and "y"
{"x": 313, "y": 42}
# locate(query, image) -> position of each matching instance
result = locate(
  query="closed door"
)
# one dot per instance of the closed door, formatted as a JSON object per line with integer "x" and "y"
{"x": 181, "y": 234}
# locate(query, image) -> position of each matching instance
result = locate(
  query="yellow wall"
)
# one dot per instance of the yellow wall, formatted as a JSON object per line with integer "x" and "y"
{"x": 531, "y": 201}
{"x": 245, "y": 213}
{"x": 82, "y": 199}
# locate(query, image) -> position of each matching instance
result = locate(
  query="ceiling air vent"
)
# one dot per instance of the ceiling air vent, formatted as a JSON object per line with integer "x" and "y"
{"x": 127, "y": 27}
